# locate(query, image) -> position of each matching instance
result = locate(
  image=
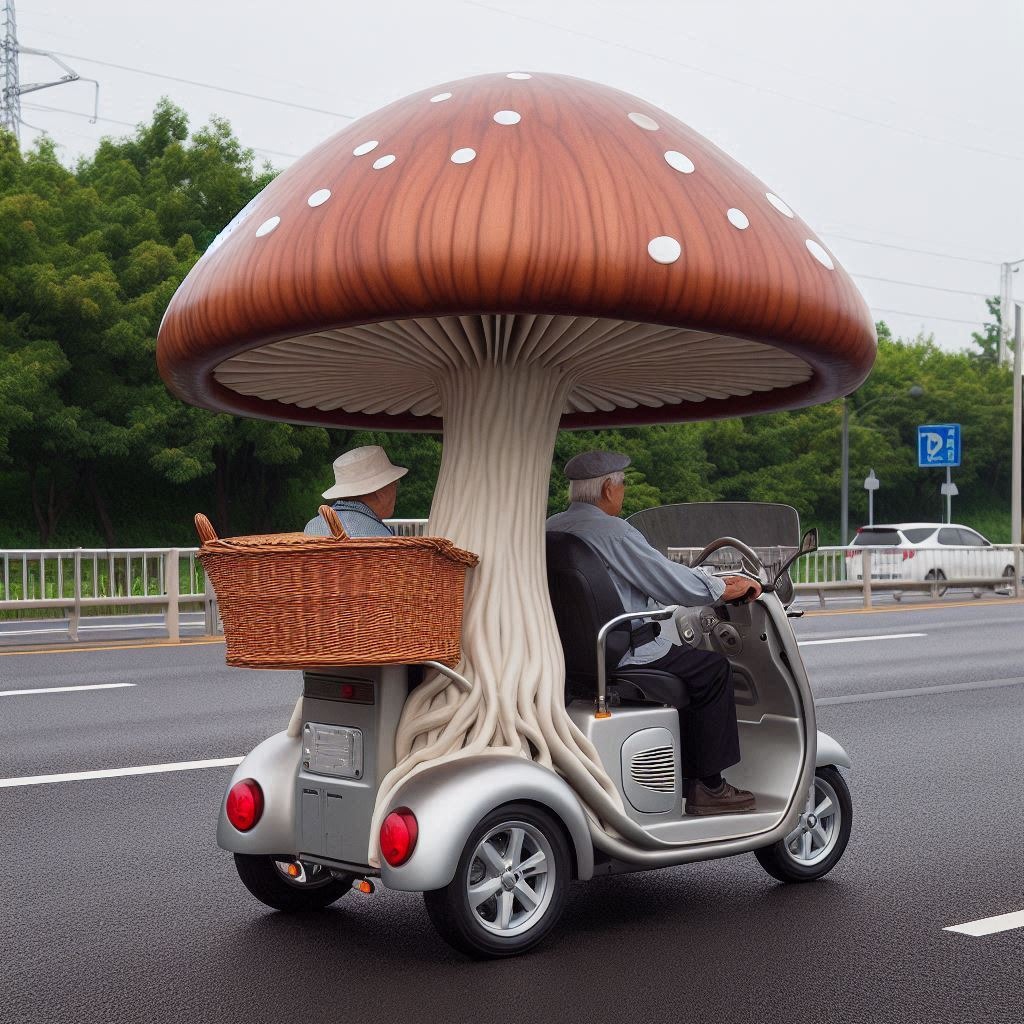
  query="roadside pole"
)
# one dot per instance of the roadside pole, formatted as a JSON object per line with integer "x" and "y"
{"x": 1015, "y": 511}
{"x": 871, "y": 484}
{"x": 173, "y": 587}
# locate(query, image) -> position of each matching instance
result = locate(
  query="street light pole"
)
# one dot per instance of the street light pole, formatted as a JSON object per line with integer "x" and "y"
{"x": 844, "y": 491}
{"x": 844, "y": 496}
{"x": 1006, "y": 305}
{"x": 1015, "y": 497}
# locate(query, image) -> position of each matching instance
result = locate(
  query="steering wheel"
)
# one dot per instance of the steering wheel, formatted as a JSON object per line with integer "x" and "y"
{"x": 752, "y": 566}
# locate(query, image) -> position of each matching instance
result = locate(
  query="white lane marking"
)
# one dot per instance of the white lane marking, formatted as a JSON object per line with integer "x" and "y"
{"x": 113, "y": 773}
{"x": 988, "y": 925}
{"x": 66, "y": 689}
{"x": 859, "y": 639}
{"x": 81, "y": 629}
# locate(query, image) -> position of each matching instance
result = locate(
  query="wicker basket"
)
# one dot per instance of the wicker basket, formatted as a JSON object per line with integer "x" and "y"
{"x": 290, "y": 600}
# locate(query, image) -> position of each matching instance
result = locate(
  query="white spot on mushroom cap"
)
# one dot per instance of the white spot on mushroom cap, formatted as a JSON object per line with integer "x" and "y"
{"x": 645, "y": 122}
{"x": 519, "y": 76}
{"x": 383, "y": 161}
{"x": 267, "y": 226}
{"x": 463, "y": 156}
{"x": 365, "y": 147}
{"x": 319, "y": 197}
{"x": 441, "y": 97}
{"x": 664, "y": 249}
{"x": 507, "y": 117}
{"x": 679, "y": 162}
{"x": 738, "y": 219}
{"x": 778, "y": 204}
{"x": 820, "y": 254}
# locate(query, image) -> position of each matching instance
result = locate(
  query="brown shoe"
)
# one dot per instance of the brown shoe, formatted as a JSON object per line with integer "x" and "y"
{"x": 724, "y": 800}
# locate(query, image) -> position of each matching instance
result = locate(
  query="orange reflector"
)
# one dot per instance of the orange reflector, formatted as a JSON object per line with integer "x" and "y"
{"x": 294, "y": 870}
{"x": 602, "y": 714}
{"x": 364, "y": 886}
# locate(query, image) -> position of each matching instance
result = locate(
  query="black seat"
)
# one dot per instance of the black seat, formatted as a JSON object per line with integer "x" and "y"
{"x": 584, "y": 599}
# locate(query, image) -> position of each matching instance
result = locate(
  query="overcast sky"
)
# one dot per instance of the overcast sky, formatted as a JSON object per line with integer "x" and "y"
{"x": 894, "y": 128}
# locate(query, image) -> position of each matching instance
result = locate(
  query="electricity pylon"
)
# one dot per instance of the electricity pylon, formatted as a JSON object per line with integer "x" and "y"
{"x": 11, "y": 89}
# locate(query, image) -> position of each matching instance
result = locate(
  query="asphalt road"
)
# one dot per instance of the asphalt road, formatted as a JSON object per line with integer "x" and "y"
{"x": 118, "y": 905}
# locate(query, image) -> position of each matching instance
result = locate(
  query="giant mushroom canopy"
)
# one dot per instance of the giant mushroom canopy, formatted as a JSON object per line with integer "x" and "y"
{"x": 497, "y": 258}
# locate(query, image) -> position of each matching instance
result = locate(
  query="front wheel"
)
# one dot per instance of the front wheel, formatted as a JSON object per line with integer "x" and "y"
{"x": 509, "y": 887}
{"x": 814, "y": 847}
{"x": 290, "y": 884}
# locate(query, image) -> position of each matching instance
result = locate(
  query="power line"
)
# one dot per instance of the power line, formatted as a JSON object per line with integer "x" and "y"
{"x": 128, "y": 124}
{"x": 916, "y": 284}
{"x": 927, "y": 316}
{"x": 748, "y": 85}
{"x": 904, "y": 248}
{"x": 206, "y": 85}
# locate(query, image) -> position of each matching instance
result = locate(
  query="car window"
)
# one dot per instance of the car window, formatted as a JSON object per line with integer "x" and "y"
{"x": 919, "y": 534}
{"x": 872, "y": 537}
{"x": 972, "y": 539}
{"x": 950, "y": 536}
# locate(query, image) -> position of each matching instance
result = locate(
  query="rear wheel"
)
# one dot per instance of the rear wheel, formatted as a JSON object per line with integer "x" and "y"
{"x": 1009, "y": 574}
{"x": 509, "y": 887}
{"x": 815, "y": 846}
{"x": 290, "y": 884}
{"x": 937, "y": 574}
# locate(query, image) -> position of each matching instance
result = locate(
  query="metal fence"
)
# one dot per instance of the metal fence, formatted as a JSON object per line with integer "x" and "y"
{"x": 77, "y": 582}
{"x": 935, "y": 569}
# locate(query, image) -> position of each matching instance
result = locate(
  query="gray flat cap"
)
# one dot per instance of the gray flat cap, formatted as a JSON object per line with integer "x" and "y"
{"x": 588, "y": 465}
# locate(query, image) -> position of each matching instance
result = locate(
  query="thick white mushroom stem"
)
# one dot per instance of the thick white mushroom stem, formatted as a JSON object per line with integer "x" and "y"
{"x": 500, "y": 423}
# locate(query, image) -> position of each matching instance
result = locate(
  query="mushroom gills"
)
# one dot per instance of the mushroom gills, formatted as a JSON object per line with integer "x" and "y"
{"x": 393, "y": 367}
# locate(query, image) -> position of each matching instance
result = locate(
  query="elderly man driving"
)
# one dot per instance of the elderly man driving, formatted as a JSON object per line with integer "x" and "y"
{"x": 366, "y": 486}
{"x": 643, "y": 578}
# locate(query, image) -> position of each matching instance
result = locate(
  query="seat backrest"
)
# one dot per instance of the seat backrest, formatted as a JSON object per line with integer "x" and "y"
{"x": 584, "y": 598}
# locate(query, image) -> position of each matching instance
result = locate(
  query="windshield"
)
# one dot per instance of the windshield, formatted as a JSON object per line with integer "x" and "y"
{"x": 875, "y": 537}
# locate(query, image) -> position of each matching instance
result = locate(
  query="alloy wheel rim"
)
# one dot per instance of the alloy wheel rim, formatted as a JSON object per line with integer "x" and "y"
{"x": 511, "y": 879}
{"x": 816, "y": 835}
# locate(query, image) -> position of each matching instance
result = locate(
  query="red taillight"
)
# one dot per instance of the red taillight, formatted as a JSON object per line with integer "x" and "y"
{"x": 398, "y": 836}
{"x": 908, "y": 553}
{"x": 245, "y": 804}
{"x": 850, "y": 553}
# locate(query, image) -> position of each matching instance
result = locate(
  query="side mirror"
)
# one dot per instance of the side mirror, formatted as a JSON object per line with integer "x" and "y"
{"x": 808, "y": 545}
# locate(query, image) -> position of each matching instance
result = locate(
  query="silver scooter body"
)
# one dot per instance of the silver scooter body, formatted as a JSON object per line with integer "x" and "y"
{"x": 320, "y": 788}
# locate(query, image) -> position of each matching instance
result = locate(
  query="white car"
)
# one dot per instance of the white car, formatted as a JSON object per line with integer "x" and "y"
{"x": 927, "y": 551}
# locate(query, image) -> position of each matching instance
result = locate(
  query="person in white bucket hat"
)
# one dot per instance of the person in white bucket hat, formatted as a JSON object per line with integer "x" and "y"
{"x": 366, "y": 487}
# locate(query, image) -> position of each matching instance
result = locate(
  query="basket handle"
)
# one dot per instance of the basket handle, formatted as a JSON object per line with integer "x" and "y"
{"x": 205, "y": 529}
{"x": 330, "y": 517}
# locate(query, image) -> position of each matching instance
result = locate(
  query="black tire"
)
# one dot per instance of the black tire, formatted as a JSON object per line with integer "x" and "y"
{"x": 467, "y": 929}
{"x": 937, "y": 574}
{"x": 268, "y": 883}
{"x": 782, "y": 863}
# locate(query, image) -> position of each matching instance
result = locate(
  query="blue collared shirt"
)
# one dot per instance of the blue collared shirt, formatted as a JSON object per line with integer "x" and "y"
{"x": 643, "y": 576}
{"x": 359, "y": 520}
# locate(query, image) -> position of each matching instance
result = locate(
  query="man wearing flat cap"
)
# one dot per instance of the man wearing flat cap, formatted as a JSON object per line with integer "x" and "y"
{"x": 365, "y": 489}
{"x": 645, "y": 578}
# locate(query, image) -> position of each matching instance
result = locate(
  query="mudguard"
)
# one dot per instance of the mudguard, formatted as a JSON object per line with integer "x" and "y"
{"x": 274, "y": 764}
{"x": 449, "y": 800}
{"x": 830, "y": 751}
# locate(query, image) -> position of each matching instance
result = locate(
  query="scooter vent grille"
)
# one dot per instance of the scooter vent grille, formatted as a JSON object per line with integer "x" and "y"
{"x": 654, "y": 769}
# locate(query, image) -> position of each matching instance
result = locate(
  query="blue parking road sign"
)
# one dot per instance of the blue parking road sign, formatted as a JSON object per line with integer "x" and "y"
{"x": 938, "y": 444}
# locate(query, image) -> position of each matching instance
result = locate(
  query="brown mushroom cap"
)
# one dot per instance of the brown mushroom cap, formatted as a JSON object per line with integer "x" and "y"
{"x": 528, "y": 214}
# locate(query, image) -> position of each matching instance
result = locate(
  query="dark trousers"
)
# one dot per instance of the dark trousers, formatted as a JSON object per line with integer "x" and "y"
{"x": 710, "y": 737}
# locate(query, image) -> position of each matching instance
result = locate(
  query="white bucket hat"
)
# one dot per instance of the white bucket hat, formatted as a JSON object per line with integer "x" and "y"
{"x": 362, "y": 471}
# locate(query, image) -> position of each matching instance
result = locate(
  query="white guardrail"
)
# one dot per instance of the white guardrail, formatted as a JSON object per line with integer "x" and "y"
{"x": 83, "y": 581}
